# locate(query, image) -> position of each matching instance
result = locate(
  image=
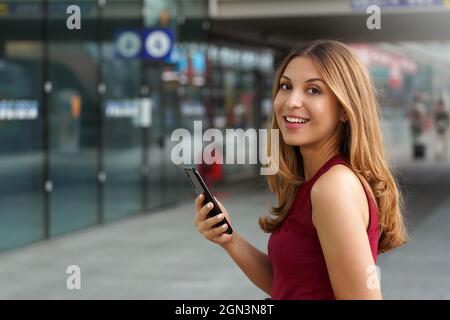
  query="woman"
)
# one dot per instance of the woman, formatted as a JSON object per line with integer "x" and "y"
{"x": 338, "y": 203}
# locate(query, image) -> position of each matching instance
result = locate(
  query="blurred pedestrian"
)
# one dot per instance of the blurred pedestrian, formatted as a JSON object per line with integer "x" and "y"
{"x": 338, "y": 203}
{"x": 441, "y": 120}
{"x": 417, "y": 121}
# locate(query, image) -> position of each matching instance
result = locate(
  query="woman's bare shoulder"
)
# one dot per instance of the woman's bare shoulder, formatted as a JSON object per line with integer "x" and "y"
{"x": 340, "y": 190}
{"x": 338, "y": 177}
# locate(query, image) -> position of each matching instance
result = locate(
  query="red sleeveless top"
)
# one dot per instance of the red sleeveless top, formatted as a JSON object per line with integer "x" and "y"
{"x": 298, "y": 264}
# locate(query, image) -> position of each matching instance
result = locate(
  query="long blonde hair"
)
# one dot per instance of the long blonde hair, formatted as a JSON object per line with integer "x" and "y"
{"x": 360, "y": 141}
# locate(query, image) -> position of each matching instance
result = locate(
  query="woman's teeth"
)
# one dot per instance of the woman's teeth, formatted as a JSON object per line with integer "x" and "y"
{"x": 296, "y": 120}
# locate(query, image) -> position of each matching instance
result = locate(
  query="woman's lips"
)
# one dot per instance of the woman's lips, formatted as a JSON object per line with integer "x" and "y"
{"x": 292, "y": 125}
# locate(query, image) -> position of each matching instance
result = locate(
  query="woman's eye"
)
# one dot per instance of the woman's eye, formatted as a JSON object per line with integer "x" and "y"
{"x": 284, "y": 86}
{"x": 313, "y": 91}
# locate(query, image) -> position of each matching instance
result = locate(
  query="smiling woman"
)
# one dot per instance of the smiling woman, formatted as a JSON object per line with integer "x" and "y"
{"x": 338, "y": 203}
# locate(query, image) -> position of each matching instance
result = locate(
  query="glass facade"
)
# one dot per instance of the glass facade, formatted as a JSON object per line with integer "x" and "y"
{"x": 121, "y": 137}
{"x": 74, "y": 152}
{"x": 21, "y": 134}
{"x": 71, "y": 79}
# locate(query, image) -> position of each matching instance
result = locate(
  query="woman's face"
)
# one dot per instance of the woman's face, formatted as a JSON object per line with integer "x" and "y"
{"x": 306, "y": 109}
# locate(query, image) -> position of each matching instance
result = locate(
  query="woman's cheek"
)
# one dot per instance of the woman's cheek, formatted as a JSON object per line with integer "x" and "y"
{"x": 276, "y": 103}
{"x": 277, "y": 109}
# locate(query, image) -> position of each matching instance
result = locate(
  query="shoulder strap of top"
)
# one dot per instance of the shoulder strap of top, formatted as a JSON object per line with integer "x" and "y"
{"x": 327, "y": 165}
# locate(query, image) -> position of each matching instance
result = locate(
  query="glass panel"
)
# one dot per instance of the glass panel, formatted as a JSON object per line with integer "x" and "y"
{"x": 156, "y": 138}
{"x": 73, "y": 120}
{"x": 174, "y": 188}
{"x": 21, "y": 156}
{"x": 122, "y": 135}
{"x": 164, "y": 177}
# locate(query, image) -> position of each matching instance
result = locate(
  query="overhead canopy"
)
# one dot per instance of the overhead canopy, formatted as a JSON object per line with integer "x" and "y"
{"x": 282, "y": 32}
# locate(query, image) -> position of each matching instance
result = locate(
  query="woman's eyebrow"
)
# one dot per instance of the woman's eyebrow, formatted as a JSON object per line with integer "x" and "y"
{"x": 314, "y": 79}
{"x": 309, "y": 80}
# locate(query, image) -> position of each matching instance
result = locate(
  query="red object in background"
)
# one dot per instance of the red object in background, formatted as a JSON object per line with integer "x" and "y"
{"x": 395, "y": 77}
{"x": 212, "y": 173}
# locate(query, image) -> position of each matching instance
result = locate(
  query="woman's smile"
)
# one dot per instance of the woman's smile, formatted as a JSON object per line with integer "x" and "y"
{"x": 294, "y": 122}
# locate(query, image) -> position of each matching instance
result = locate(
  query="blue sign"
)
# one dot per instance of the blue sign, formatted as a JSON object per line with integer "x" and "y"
{"x": 151, "y": 44}
{"x": 128, "y": 44}
{"x": 158, "y": 43}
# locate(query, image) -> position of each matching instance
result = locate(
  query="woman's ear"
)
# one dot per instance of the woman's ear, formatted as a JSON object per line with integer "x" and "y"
{"x": 342, "y": 114}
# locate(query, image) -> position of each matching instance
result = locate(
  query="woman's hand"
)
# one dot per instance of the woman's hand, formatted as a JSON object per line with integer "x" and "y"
{"x": 205, "y": 224}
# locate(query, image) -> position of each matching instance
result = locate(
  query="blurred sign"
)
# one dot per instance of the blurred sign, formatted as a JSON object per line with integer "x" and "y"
{"x": 145, "y": 112}
{"x": 363, "y": 4}
{"x": 36, "y": 9}
{"x": 158, "y": 43}
{"x": 192, "y": 108}
{"x": 127, "y": 108}
{"x": 19, "y": 109}
{"x": 138, "y": 110}
{"x": 151, "y": 44}
{"x": 128, "y": 44}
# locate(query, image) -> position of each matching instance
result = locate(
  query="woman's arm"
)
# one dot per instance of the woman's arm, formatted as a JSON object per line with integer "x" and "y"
{"x": 340, "y": 209}
{"x": 254, "y": 263}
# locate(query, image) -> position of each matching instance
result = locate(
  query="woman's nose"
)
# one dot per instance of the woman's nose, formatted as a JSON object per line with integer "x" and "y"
{"x": 295, "y": 100}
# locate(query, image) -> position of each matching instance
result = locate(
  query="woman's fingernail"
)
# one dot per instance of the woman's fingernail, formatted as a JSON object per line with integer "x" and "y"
{"x": 224, "y": 226}
{"x": 220, "y": 216}
{"x": 210, "y": 205}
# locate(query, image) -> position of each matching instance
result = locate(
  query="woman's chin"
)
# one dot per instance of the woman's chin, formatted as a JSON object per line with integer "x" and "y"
{"x": 293, "y": 143}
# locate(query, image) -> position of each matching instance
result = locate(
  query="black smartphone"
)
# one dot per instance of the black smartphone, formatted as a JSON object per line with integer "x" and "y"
{"x": 200, "y": 187}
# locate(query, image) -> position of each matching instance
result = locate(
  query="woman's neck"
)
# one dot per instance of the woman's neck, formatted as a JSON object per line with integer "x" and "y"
{"x": 313, "y": 162}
